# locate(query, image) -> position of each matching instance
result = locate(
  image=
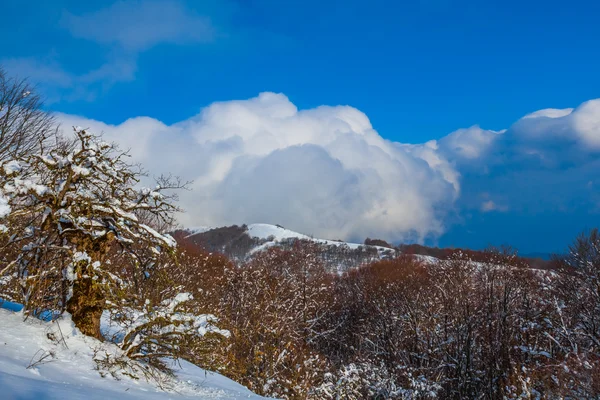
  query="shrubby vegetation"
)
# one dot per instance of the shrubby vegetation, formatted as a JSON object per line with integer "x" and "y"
{"x": 80, "y": 235}
{"x": 405, "y": 329}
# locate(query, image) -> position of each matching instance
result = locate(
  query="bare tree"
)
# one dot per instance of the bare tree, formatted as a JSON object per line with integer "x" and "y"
{"x": 24, "y": 125}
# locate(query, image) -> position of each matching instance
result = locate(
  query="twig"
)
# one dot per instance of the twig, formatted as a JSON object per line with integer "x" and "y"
{"x": 40, "y": 361}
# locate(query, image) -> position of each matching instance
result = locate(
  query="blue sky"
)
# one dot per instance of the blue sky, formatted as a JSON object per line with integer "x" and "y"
{"x": 418, "y": 70}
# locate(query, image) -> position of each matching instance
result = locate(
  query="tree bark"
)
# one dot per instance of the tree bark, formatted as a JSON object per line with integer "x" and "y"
{"x": 86, "y": 306}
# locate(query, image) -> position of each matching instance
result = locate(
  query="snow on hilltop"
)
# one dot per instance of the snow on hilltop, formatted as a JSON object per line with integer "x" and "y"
{"x": 264, "y": 231}
{"x": 196, "y": 230}
{"x": 273, "y": 234}
{"x": 241, "y": 243}
{"x": 67, "y": 370}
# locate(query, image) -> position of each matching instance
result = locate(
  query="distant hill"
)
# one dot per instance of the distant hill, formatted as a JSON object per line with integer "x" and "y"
{"x": 240, "y": 243}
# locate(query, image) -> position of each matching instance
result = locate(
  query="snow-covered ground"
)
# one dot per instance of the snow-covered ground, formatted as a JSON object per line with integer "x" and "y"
{"x": 67, "y": 369}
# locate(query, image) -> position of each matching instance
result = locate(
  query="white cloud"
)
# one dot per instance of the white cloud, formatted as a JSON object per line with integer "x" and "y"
{"x": 139, "y": 25}
{"x": 580, "y": 126}
{"x": 549, "y": 113}
{"x": 586, "y": 121}
{"x": 468, "y": 143}
{"x": 548, "y": 138}
{"x": 322, "y": 171}
{"x": 538, "y": 165}
{"x": 326, "y": 171}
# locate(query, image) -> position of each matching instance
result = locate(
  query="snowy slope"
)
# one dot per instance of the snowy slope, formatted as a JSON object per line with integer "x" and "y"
{"x": 264, "y": 231}
{"x": 196, "y": 229}
{"x": 242, "y": 243}
{"x": 68, "y": 371}
{"x": 275, "y": 233}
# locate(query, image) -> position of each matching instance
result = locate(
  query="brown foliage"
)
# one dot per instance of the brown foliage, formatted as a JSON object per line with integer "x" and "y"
{"x": 273, "y": 306}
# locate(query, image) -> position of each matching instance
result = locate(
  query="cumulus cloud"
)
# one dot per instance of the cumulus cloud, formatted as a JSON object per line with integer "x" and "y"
{"x": 549, "y": 138}
{"x": 466, "y": 144}
{"x": 326, "y": 171}
{"x": 579, "y": 126}
{"x": 323, "y": 171}
{"x": 541, "y": 163}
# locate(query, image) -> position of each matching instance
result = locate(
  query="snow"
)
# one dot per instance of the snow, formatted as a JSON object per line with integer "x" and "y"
{"x": 182, "y": 322}
{"x": 80, "y": 170}
{"x": 264, "y": 231}
{"x": 68, "y": 371}
{"x": 11, "y": 167}
{"x": 426, "y": 259}
{"x": 166, "y": 238}
{"x": 81, "y": 256}
{"x": 23, "y": 186}
{"x": 180, "y": 298}
{"x": 197, "y": 230}
{"x": 274, "y": 234}
{"x": 4, "y": 206}
{"x": 278, "y": 233}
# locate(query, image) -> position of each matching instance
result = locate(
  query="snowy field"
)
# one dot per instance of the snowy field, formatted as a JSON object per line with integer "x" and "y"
{"x": 36, "y": 363}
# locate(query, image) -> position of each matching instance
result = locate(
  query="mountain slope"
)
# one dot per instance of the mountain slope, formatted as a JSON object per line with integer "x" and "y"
{"x": 242, "y": 242}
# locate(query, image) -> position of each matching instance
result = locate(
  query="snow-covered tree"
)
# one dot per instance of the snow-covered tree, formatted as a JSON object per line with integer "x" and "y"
{"x": 170, "y": 310}
{"x": 70, "y": 206}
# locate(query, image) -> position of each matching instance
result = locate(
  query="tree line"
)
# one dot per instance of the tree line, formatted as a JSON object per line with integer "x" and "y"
{"x": 406, "y": 329}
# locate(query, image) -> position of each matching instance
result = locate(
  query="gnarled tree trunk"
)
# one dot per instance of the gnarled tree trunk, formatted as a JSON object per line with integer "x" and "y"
{"x": 86, "y": 306}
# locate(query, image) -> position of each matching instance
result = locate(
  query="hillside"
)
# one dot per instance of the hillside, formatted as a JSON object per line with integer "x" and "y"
{"x": 240, "y": 243}
{"x": 37, "y": 363}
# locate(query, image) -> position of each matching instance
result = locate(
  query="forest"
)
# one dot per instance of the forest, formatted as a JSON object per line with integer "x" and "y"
{"x": 80, "y": 235}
